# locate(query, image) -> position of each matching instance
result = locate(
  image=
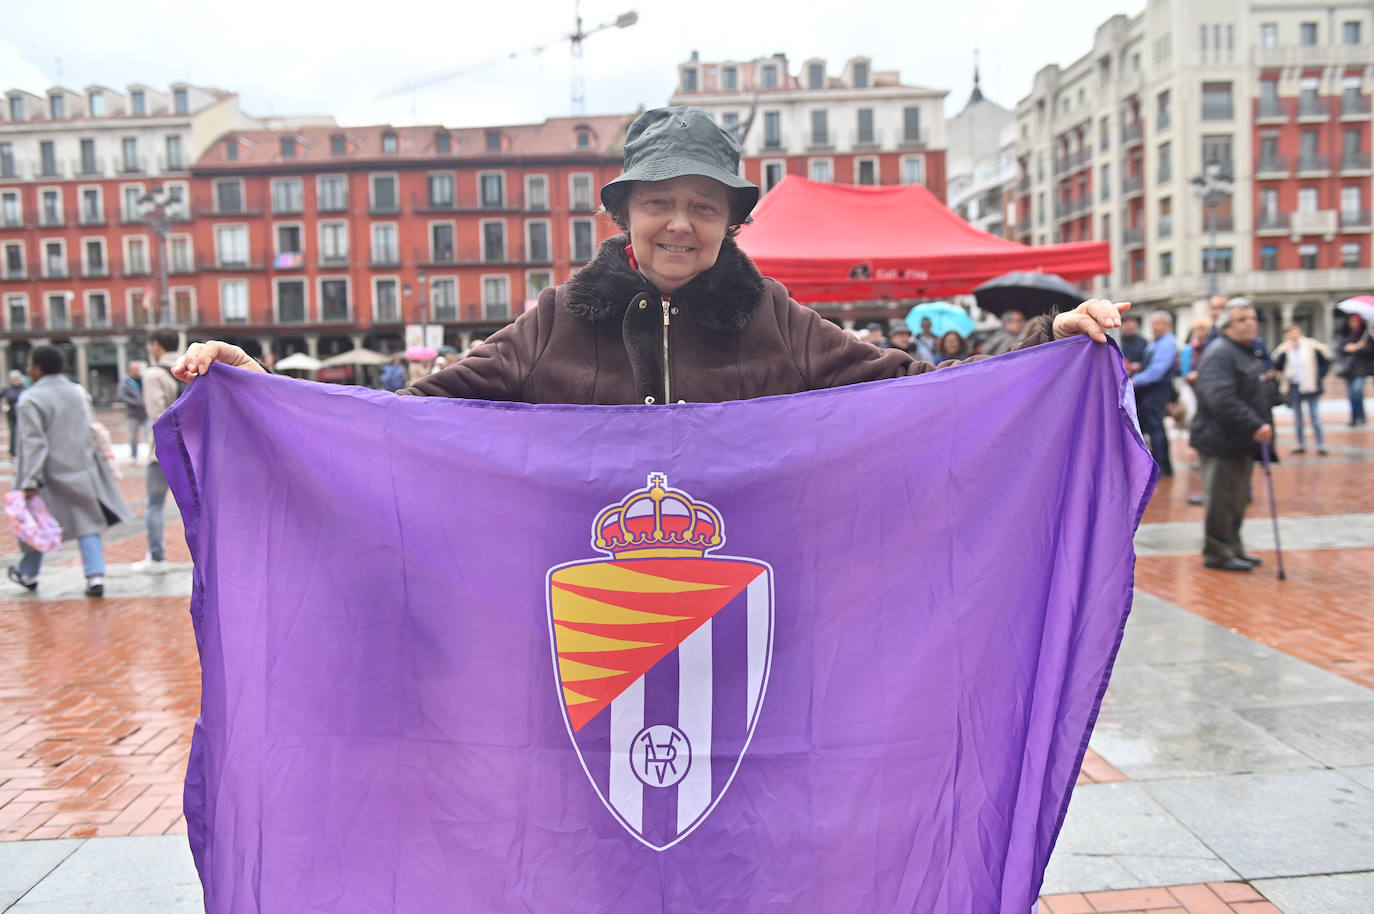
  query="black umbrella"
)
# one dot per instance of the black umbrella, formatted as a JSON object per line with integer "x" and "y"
{"x": 1029, "y": 293}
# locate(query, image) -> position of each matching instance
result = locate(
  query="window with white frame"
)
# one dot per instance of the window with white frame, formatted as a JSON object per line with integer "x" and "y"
{"x": 333, "y": 242}
{"x": 97, "y": 309}
{"x": 175, "y": 160}
{"x": 385, "y": 250}
{"x": 287, "y": 195}
{"x": 54, "y": 259}
{"x": 14, "y": 260}
{"x": 385, "y": 198}
{"x": 441, "y": 247}
{"x": 231, "y": 245}
{"x": 180, "y": 253}
{"x": 129, "y": 195}
{"x": 493, "y": 241}
{"x": 769, "y": 76}
{"x": 291, "y": 302}
{"x": 289, "y": 238}
{"x": 178, "y": 197}
{"x": 93, "y": 257}
{"x": 135, "y": 255}
{"x": 821, "y": 170}
{"x": 583, "y": 234}
{"x": 92, "y": 206}
{"x": 131, "y": 160}
{"x": 229, "y": 196}
{"x": 59, "y": 315}
{"x": 1307, "y": 199}
{"x": 537, "y": 241}
{"x": 1269, "y": 34}
{"x": 537, "y": 192}
{"x": 331, "y": 193}
{"x": 491, "y": 186}
{"x": 183, "y": 304}
{"x": 233, "y": 301}
{"x": 443, "y": 297}
{"x": 495, "y": 297}
{"x": 16, "y": 311}
{"x": 581, "y": 191}
{"x": 386, "y": 305}
{"x": 537, "y": 281}
{"x": 136, "y": 304}
{"x": 51, "y": 206}
{"x": 334, "y": 298}
{"x": 1307, "y": 256}
{"x": 1350, "y": 201}
{"x": 11, "y": 209}
{"x": 441, "y": 189}
{"x": 1351, "y": 254}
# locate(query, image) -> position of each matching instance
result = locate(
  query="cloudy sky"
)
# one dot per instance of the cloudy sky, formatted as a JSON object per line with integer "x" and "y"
{"x": 307, "y": 56}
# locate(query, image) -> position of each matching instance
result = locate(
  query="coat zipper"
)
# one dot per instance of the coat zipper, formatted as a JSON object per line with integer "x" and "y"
{"x": 667, "y": 368}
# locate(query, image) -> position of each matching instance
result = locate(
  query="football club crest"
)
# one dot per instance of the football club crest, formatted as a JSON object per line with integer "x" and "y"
{"x": 661, "y": 653}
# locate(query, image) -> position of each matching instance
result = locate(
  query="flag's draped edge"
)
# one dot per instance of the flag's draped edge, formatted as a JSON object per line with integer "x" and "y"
{"x": 187, "y": 435}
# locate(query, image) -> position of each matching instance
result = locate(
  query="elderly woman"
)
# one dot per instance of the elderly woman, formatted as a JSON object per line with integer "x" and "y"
{"x": 671, "y": 311}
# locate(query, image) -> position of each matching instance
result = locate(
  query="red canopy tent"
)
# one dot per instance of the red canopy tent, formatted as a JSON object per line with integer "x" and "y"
{"x": 844, "y": 242}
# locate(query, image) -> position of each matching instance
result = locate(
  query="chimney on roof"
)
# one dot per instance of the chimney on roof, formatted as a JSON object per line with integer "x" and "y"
{"x": 695, "y": 58}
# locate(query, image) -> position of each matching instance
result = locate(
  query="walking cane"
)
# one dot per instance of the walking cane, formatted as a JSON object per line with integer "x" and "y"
{"x": 1273, "y": 509}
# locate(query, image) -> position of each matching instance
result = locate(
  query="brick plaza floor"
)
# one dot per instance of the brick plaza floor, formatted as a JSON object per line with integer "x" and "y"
{"x": 1232, "y": 768}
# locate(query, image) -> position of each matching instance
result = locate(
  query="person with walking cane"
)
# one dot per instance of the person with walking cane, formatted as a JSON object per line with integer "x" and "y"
{"x": 1234, "y": 419}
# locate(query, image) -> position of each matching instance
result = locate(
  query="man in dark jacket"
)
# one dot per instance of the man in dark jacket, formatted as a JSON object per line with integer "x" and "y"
{"x": 131, "y": 395}
{"x": 1233, "y": 420}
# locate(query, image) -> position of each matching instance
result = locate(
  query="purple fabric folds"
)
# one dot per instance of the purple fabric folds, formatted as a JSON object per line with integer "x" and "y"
{"x": 839, "y": 651}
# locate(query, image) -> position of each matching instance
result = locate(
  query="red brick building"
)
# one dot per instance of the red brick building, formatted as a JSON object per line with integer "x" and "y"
{"x": 323, "y": 239}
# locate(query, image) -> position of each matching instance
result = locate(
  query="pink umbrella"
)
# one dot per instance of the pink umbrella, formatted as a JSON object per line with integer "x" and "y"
{"x": 1363, "y": 305}
{"x": 421, "y": 354}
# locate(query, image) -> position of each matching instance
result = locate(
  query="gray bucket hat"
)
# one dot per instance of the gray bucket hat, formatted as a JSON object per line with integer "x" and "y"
{"x": 668, "y": 143}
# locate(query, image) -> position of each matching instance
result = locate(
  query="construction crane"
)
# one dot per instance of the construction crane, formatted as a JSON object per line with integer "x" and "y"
{"x": 576, "y": 37}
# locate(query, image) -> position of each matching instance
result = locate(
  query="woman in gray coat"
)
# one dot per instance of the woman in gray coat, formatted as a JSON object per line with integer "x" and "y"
{"x": 58, "y": 458}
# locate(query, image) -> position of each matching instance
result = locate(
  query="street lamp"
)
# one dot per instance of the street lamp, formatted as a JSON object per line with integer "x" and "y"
{"x": 1211, "y": 187}
{"x": 159, "y": 208}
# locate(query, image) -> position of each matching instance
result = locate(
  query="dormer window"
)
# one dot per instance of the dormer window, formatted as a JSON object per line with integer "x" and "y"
{"x": 231, "y": 150}
{"x": 389, "y": 144}
{"x": 288, "y": 147}
{"x": 493, "y": 141}
{"x": 443, "y": 143}
{"x": 97, "y": 103}
{"x": 337, "y": 145}
{"x": 16, "y": 108}
{"x": 860, "y": 75}
{"x": 815, "y": 76}
{"x": 689, "y": 79}
{"x": 57, "y": 105}
{"x": 180, "y": 101}
{"x": 769, "y": 77}
{"x": 584, "y": 139}
{"x": 729, "y": 78}
{"x": 138, "y": 101}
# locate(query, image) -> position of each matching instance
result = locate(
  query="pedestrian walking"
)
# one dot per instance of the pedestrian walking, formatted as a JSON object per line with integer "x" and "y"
{"x": 9, "y": 399}
{"x": 1304, "y": 363}
{"x": 160, "y": 391}
{"x": 1233, "y": 419}
{"x": 1154, "y": 388}
{"x": 1355, "y": 345}
{"x": 58, "y": 459}
{"x": 130, "y": 393}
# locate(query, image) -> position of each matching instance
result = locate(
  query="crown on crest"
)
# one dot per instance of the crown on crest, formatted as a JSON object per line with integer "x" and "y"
{"x": 658, "y": 522}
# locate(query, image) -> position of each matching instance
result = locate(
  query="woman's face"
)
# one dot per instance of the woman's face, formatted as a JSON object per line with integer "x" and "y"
{"x": 951, "y": 343}
{"x": 676, "y": 227}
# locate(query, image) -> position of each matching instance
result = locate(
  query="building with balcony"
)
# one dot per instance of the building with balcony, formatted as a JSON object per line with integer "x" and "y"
{"x": 1277, "y": 98}
{"x": 77, "y": 260}
{"x": 323, "y": 239}
{"x": 854, "y": 126}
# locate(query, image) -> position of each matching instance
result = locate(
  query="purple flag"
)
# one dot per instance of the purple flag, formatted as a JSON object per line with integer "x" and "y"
{"x": 839, "y": 651}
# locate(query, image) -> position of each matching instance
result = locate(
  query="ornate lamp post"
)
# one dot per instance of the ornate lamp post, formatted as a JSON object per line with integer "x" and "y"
{"x": 1211, "y": 187}
{"x": 159, "y": 208}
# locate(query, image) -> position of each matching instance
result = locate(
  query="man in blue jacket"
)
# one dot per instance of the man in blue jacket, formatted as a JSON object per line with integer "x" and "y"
{"x": 1154, "y": 388}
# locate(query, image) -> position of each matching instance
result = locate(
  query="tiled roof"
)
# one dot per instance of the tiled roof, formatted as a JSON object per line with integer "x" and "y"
{"x": 314, "y": 145}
